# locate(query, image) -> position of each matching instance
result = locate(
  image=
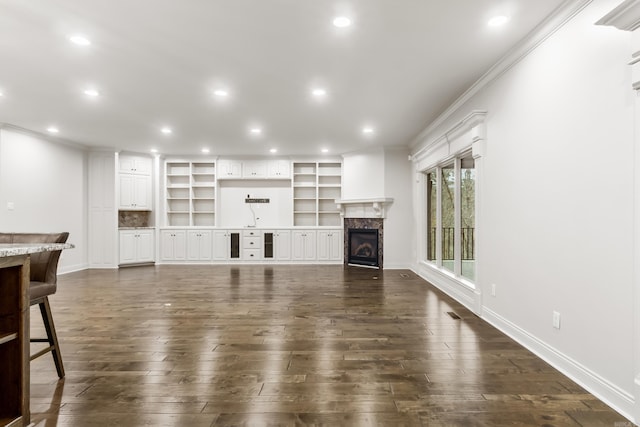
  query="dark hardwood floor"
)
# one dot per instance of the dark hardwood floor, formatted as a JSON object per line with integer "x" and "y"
{"x": 288, "y": 346}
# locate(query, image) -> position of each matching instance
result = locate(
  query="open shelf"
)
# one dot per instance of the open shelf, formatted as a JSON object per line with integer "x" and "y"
{"x": 190, "y": 192}
{"x": 316, "y": 186}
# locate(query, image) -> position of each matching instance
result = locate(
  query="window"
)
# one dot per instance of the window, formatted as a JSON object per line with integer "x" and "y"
{"x": 432, "y": 215}
{"x": 448, "y": 215}
{"x": 451, "y": 216}
{"x": 467, "y": 217}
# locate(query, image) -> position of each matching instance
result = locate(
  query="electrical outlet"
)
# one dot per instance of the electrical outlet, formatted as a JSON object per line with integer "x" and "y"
{"x": 10, "y": 206}
{"x": 493, "y": 289}
{"x": 556, "y": 320}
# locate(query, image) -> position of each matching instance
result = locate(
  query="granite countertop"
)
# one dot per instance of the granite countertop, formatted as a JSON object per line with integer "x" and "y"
{"x": 136, "y": 228}
{"x": 13, "y": 249}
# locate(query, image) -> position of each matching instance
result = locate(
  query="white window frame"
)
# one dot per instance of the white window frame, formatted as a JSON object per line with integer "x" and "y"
{"x": 467, "y": 136}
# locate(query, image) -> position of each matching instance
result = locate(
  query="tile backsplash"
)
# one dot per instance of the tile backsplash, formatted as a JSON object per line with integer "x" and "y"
{"x": 133, "y": 218}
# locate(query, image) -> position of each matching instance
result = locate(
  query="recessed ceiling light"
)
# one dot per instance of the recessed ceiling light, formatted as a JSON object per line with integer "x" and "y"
{"x": 221, "y": 93}
{"x": 325, "y": 150}
{"x": 319, "y": 92}
{"x": 341, "y": 22}
{"x": 205, "y": 151}
{"x": 498, "y": 21}
{"x": 367, "y": 130}
{"x": 1, "y": 94}
{"x": 53, "y": 129}
{"x": 92, "y": 93}
{"x": 154, "y": 150}
{"x": 80, "y": 40}
{"x": 273, "y": 150}
{"x": 255, "y": 131}
{"x": 166, "y": 130}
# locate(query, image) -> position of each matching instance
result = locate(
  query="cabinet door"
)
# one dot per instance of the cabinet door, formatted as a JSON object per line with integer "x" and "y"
{"x": 303, "y": 245}
{"x": 309, "y": 245}
{"x": 282, "y": 244}
{"x": 142, "y": 165}
{"x": 229, "y": 169}
{"x": 205, "y": 247}
{"x": 254, "y": 169}
{"x": 144, "y": 246}
{"x": 329, "y": 245}
{"x": 297, "y": 245}
{"x": 220, "y": 245}
{"x": 278, "y": 169}
{"x": 127, "y": 247}
{"x": 127, "y": 188}
{"x": 142, "y": 192}
{"x": 135, "y": 165}
{"x": 135, "y": 192}
{"x": 173, "y": 245}
{"x": 199, "y": 245}
{"x": 336, "y": 246}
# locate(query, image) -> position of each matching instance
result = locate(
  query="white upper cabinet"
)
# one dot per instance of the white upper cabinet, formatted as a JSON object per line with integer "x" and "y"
{"x": 229, "y": 169}
{"x": 135, "y": 192}
{"x": 254, "y": 169}
{"x": 279, "y": 169}
{"x": 134, "y": 164}
{"x": 134, "y": 179}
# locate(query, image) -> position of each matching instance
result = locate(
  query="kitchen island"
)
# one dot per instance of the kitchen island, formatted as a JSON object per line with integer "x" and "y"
{"x": 14, "y": 328}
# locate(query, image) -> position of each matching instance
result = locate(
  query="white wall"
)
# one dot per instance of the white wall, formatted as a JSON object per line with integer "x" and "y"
{"x": 46, "y": 182}
{"x": 397, "y": 226}
{"x": 384, "y": 172}
{"x": 557, "y": 203}
{"x": 234, "y": 212}
{"x": 363, "y": 174}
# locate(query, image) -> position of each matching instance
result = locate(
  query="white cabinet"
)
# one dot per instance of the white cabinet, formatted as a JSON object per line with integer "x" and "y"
{"x": 173, "y": 245}
{"x": 282, "y": 244}
{"x": 134, "y": 181}
{"x": 254, "y": 169}
{"x": 135, "y": 192}
{"x": 279, "y": 169}
{"x": 199, "y": 245}
{"x": 330, "y": 245}
{"x": 229, "y": 169}
{"x": 251, "y": 245}
{"x": 221, "y": 244}
{"x": 135, "y": 165}
{"x": 303, "y": 245}
{"x": 136, "y": 246}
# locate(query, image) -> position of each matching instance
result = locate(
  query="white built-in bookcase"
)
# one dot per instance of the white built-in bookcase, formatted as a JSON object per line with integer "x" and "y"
{"x": 316, "y": 186}
{"x": 190, "y": 193}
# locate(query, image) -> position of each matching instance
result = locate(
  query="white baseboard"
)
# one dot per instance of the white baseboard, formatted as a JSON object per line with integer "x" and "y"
{"x": 72, "y": 268}
{"x": 463, "y": 294}
{"x": 612, "y": 395}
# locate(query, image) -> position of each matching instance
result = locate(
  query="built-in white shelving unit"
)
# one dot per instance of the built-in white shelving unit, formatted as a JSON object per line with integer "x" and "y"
{"x": 190, "y": 193}
{"x": 316, "y": 186}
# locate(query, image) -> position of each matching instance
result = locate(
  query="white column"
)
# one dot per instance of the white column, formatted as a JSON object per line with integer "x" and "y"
{"x": 626, "y": 17}
{"x": 636, "y": 224}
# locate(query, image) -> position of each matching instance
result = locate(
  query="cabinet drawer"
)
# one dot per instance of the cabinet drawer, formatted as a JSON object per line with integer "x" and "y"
{"x": 251, "y": 242}
{"x": 250, "y": 233}
{"x": 251, "y": 253}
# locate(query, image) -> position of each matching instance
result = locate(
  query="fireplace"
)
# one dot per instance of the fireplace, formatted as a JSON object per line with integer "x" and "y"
{"x": 363, "y": 247}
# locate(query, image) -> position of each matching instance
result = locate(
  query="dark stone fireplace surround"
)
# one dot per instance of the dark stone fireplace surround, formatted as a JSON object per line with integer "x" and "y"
{"x": 367, "y": 224}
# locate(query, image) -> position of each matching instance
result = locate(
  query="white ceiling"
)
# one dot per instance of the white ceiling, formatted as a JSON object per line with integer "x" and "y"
{"x": 157, "y": 62}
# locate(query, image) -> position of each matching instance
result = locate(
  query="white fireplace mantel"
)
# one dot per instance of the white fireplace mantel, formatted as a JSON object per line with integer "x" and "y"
{"x": 363, "y": 208}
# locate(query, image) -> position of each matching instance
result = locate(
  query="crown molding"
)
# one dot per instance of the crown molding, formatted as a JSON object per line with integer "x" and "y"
{"x": 47, "y": 137}
{"x": 563, "y": 14}
{"x": 624, "y": 17}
